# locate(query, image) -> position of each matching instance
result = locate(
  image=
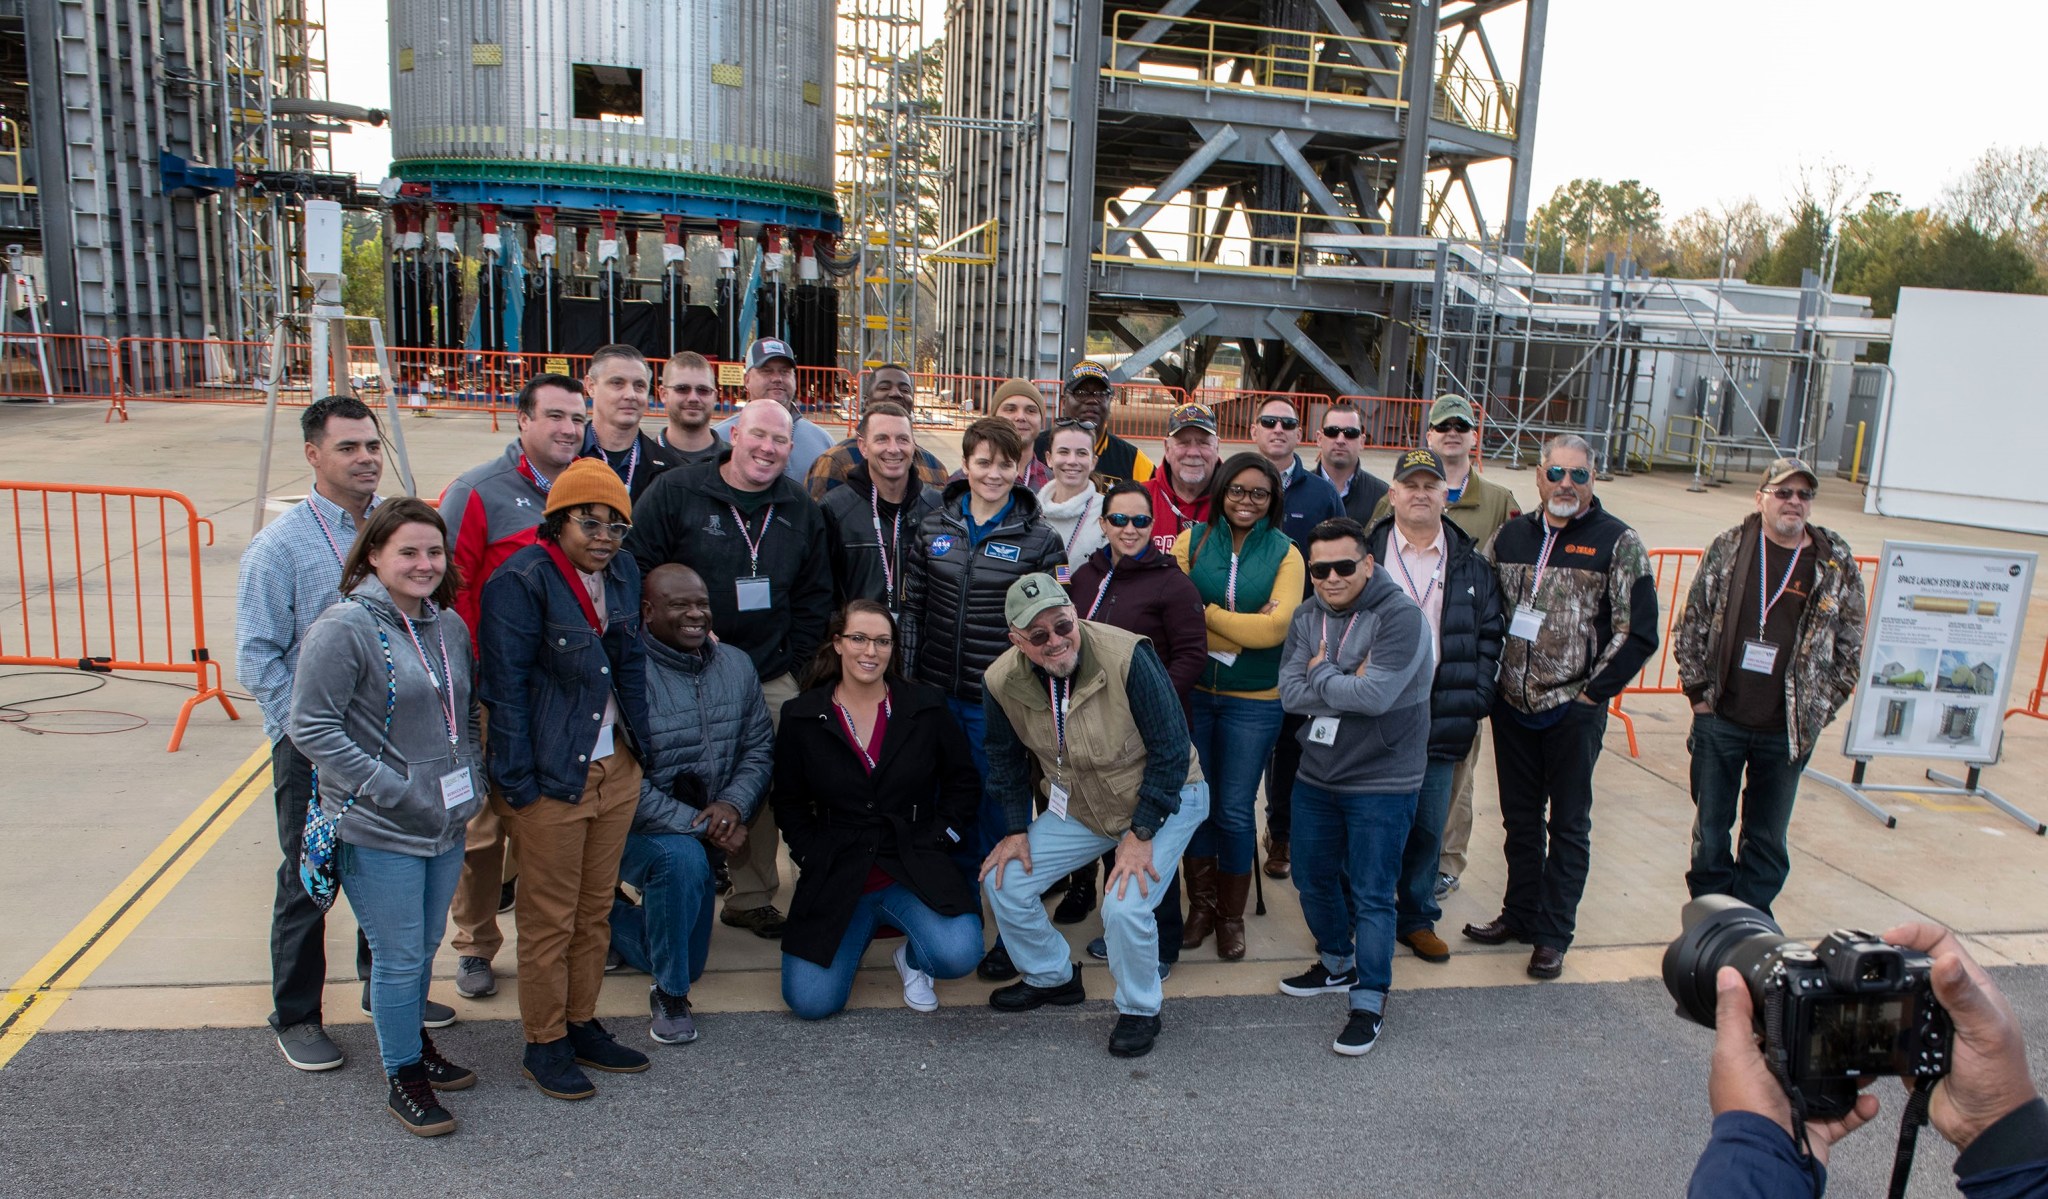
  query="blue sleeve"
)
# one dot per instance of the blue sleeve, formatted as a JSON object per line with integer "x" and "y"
{"x": 2008, "y": 1160}
{"x": 1750, "y": 1157}
{"x": 265, "y": 626}
{"x": 508, "y": 636}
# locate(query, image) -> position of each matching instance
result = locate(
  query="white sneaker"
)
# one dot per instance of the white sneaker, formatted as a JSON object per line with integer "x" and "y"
{"x": 918, "y": 994}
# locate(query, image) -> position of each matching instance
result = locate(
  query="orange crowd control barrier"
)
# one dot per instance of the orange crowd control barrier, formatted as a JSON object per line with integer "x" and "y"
{"x": 102, "y": 587}
{"x": 1673, "y": 570}
{"x": 58, "y": 366}
{"x": 2037, "y": 699}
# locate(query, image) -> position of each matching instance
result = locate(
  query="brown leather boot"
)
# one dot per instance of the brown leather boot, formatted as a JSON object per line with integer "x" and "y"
{"x": 1278, "y": 864}
{"x": 1200, "y": 874}
{"x": 1231, "y": 892}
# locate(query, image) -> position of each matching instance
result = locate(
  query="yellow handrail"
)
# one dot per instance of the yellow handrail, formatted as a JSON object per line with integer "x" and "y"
{"x": 1465, "y": 97}
{"x": 14, "y": 182}
{"x": 1701, "y": 453}
{"x": 1242, "y": 251}
{"x": 1277, "y": 69}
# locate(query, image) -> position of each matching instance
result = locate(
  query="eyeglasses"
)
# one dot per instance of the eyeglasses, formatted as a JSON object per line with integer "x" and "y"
{"x": 861, "y": 641}
{"x": 1347, "y": 432}
{"x": 1060, "y": 628}
{"x": 1452, "y": 426}
{"x": 1279, "y": 422}
{"x": 1803, "y": 494}
{"x": 1068, "y": 422}
{"x": 695, "y": 389}
{"x": 1343, "y": 568}
{"x": 599, "y": 530}
{"x": 1579, "y": 474}
{"x": 1126, "y": 520}
{"x": 1257, "y": 495}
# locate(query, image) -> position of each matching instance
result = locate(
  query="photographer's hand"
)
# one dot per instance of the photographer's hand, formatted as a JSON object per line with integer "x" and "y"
{"x": 1739, "y": 1081}
{"x": 1988, "y": 1078}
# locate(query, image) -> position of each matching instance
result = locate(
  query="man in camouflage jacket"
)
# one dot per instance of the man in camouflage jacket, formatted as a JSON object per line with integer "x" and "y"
{"x": 1582, "y": 605}
{"x": 1768, "y": 650}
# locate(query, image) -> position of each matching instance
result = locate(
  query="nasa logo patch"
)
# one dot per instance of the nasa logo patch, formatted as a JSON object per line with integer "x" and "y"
{"x": 941, "y": 545}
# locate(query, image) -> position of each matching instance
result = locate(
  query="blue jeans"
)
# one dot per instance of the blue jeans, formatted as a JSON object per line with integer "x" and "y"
{"x": 1233, "y": 738}
{"x": 988, "y": 821}
{"x": 1416, "y": 907}
{"x": 941, "y": 946}
{"x": 1347, "y": 858}
{"x": 1058, "y": 846}
{"x": 1722, "y": 753}
{"x": 402, "y": 904}
{"x": 669, "y": 934}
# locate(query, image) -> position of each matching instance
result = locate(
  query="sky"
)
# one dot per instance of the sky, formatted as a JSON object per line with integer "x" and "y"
{"x": 1706, "y": 103}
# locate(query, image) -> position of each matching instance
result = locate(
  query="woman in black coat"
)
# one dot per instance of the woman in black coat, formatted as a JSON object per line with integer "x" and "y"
{"x": 873, "y": 783}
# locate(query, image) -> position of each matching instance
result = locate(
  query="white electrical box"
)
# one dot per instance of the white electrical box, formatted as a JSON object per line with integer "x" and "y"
{"x": 323, "y": 238}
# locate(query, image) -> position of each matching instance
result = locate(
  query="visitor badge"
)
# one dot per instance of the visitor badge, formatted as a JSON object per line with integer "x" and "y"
{"x": 1056, "y": 800}
{"x": 1759, "y": 656}
{"x": 1323, "y": 730}
{"x": 604, "y": 745}
{"x": 1224, "y": 656}
{"x": 1528, "y": 622}
{"x": 753, "y": 594}
{"x": 456, "y": 788}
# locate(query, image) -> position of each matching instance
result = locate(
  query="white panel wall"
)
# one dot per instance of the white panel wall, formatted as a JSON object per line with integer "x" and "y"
{"x": 1966, "y": 441}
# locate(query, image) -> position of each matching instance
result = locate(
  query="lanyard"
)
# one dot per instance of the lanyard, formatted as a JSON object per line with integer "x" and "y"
{"x": 853, "y": 730}
{"x": 1099, "y": 593}
{"x": 632, "y": 460}
{"x": 1059, "y": 689}
{"x": 881, "y": 547}
{"x": 533, "y": 475}
{"x": 1166, "y": 493}
{"x": 1542, "y": 559}
{"x": 754, "y": 544}
{"x": 1075, "y": 536}
{"x": 1765, "y": 605}
{"x": 1230, "y": 586}
{"x": 1421, "y": 597}
{"x": 328, "y": 534}
{"x": 447, "y": 698}
{"x": 1341, "y": 637}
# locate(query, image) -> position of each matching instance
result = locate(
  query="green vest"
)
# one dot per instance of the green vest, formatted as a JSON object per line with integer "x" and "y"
{"x": 1258, "y": 563}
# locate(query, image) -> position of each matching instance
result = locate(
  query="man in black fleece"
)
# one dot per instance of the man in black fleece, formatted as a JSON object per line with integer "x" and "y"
{"x": 1582, "y": 620}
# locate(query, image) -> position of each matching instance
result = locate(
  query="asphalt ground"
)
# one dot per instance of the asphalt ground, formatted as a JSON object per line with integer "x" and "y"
{"x": 1559, "y": 1089}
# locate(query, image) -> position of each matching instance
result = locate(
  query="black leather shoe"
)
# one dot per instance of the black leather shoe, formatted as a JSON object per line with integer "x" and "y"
{"x": 1022, "y": 996}
{"x": 1133, "y": 1035}
{"x": 1079, "y": 899}
{"x": 996, "y": 967}
{"x": 1546, "y": 962}
{"x": 1497, "y": 932}
{"x": 599, "y": 1050}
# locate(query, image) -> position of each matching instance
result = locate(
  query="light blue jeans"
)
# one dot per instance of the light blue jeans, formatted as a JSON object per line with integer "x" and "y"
{"x": 669, "y": 934}
{"x": 1059, "y": 846}
{"x": 402, "y": 904}
{"x": 941, "y": 946}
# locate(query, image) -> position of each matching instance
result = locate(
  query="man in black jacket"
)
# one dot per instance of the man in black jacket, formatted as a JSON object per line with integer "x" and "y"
{"x": 1582, "y": 605}
{"x": 1441, "y": 570}
{"x": 617, "y": 384}
{"x": 759, "y": 543}
{"x": 870, "y": 519}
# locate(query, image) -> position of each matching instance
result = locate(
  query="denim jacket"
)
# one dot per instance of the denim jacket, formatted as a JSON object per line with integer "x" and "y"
{"x": 546, "y": 675}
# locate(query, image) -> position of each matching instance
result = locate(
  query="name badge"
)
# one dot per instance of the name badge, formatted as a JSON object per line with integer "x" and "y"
{"x": 1057, "y": 801}
{"x": 456, "y": 788}
{"x": 604, "y": 745}
{"x": 1323, "y": 730}
{"x": 1759, "y": 656}
{"x": 753, "y": 594}
{"x": 1224, "y": 656}
{"x": 1528, "y": 622}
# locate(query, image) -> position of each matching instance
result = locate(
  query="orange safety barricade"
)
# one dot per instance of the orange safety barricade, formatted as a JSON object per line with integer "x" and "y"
{"x": 58, "y": 366}
{"x": 101, "y": 589}
{"x": 1392, "y": 422}
{"x": 1237, "y": 408}
{"x": 2035, "y": 698}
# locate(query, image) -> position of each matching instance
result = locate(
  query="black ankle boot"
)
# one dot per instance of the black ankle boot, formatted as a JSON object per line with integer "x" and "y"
{"x": 1079, "y": 899}
{"x": 413, "y": 1102}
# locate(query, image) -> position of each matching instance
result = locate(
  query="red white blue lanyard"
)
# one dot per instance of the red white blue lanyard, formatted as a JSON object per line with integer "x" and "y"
{"x": 895, "y": 539}
{"x": 853, "y": 730}
{"x": 1075, "y": 536}
{"x": 446, "y": 697}
{"x": 327, "y": 533}
{"x": 632, "y": 461}
{"x": 1542, "y": 560}
{"x": 754, "y": 544}
{"x": 1059, "y": 689}
{"x": 1099, "y": 593}
{"x": 1400, "y": 560}
{"x": 1341, "y": 637}
{"x": 1766, "y": 604}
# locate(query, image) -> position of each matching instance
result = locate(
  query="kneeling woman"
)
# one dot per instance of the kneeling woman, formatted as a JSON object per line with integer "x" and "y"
{"x": 384, "y": 707}
{"x": 873, "y": 783}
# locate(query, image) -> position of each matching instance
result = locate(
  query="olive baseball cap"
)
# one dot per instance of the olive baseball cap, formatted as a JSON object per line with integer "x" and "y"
{"x": 1031, "y": 595}
{"x": 1451, "y": 406}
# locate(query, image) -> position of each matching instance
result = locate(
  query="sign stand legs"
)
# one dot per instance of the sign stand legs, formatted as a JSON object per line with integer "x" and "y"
{"x": 1855, "y": 789}
{"x": 1970, "y": 786}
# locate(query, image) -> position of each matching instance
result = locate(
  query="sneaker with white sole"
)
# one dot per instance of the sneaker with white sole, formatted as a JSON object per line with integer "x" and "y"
{"x": 474, "y": 978}
{"x": 669, "y": 1020}
{"x": 307, "y": 1048}
{"x": 918, "y": 993}
{"x": 1445, "y": 884}
{"x": 1317, "y": 980}
{"x": 1361, "y": 1033}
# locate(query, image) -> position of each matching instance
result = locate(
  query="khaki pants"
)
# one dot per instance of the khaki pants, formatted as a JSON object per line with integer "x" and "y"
{"x": 755, "y": 880}
{"x": 571, "y": 851}
{"x": 487, "y": 865}
{"x": 1458, "y": 825}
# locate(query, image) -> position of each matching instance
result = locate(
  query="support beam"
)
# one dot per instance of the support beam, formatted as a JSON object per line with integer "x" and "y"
{"x": 1144, "y": 242}
{"x": 1515, "y": 222}
{"x": 1191, "y": 324}
{"x": 1355, "y": 39}
{"x": 1205, "y": 156}
{"x": 1151, "y": 31}
{"x": 1285, "y": 325}
{"x": 1082, "y": 124}
{"x": 1419, "y": 86}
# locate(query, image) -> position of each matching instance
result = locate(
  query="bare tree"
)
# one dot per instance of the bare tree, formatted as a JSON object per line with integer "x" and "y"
{"x": 2005, "y": 192}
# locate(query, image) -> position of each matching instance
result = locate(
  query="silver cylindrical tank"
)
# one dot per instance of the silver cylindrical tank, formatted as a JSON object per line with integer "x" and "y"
{"x": 622, "y": 93}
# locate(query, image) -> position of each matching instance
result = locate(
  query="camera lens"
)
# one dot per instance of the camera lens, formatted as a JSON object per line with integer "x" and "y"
{"x": 1719, "y": 931}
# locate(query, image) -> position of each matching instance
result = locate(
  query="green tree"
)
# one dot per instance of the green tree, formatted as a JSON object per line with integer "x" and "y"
{"x": 1696, "y": 241}
{"x": 1586, "y": 219}
{"x": 1798, "y": 248}
{"x": 362, "y": 266}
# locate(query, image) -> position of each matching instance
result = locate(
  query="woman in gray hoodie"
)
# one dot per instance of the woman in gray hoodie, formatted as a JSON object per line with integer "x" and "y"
{"x": 384, "y": 707}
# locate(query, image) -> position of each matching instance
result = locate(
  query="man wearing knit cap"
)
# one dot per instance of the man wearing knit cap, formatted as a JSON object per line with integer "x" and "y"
{"x": 565, "y": 675}
{"x": 1085, "y": 404}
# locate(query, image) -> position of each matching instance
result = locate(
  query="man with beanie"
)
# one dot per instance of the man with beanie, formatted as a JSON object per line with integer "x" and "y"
{"x": 564, "y": 675}
{"x": 1357, "y": 668}
{"x": 1073, "y": 697}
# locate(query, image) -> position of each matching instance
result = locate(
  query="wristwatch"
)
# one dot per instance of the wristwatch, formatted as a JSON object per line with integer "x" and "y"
{"x": 1143, "y": 834}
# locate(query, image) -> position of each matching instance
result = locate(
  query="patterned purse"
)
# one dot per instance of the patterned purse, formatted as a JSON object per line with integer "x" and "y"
{"x": 319, "y": 873}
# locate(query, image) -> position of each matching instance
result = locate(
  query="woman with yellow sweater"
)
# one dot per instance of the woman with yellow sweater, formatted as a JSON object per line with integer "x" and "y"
{"x": 1249, "y": 574}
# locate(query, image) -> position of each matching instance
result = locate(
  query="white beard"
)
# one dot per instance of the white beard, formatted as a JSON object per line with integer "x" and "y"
{"x": 1562, "y": 509}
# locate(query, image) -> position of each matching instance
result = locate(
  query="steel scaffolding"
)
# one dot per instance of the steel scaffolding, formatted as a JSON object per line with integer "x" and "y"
{"x": 884, "y": 79}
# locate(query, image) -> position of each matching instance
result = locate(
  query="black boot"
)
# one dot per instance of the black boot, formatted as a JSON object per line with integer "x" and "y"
{"x": 599, "y": 1050}
{"x": 413, "y": 1102}
{"x": 443, "y": 1074}
{"x": 551, "y": 1066}
{"x": 1080, "y": 897}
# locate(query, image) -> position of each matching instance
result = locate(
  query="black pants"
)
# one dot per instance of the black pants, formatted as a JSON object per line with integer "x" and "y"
{"x": 1548, "y": 854}
{"x": 298, "y": 928}
{"x": 1280, "y": 778}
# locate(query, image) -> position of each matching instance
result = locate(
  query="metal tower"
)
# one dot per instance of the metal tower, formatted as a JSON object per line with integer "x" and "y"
{"x": 883, "y": 142}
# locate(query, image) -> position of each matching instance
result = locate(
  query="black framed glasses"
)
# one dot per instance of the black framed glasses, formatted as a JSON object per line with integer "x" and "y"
{"x": 1347, "y": 432}
{"x": 1804, "y": 494}
{"x": 598, "y": 530}
{"x": 1127, "y": 520}
{"x": 1289, "y": 423}
{"x": 1343, "y": 568}
{"x": 1451, "y": 426}
{"x": 861, "y": 641}
{"x": 1063, "y": 627}
{"x": 1580, "y": 475}
{"x": 1257, "y": 495}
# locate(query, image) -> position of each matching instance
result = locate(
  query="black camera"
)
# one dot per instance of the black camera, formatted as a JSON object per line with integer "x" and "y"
{"x": 1830, "y": 1015}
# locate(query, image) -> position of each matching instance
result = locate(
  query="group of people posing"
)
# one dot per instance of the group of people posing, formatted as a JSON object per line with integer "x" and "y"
{"x": 615, "y": 672}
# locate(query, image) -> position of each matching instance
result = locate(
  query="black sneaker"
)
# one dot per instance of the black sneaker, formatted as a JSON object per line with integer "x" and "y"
{"x": 1079, "y": 900}
{"x": 1316, "y": 980}
{"x": 1021, "y": 996}
{"x": 508, "y": 895}
{"x": 1133, "y": 1035}
{"x": 599, "y": 1050}
{"x": 443, "y": 1074}
{"x": 669, "y": 1020}
{"x": 996, "y": 966}
{"x": 307, "y": 1047}
{"x": 432, "y": 1015}
{"x": 412, "y": 1101}
{"x": 1361, "y": 1033}
{"x": 551, "y": 1067}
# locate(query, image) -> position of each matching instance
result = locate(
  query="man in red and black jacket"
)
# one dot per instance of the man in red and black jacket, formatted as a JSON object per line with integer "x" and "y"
{"x": 1582, "y": 619}
{"x": 492, "y": 511}
{"x": 1180, "y": 490}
